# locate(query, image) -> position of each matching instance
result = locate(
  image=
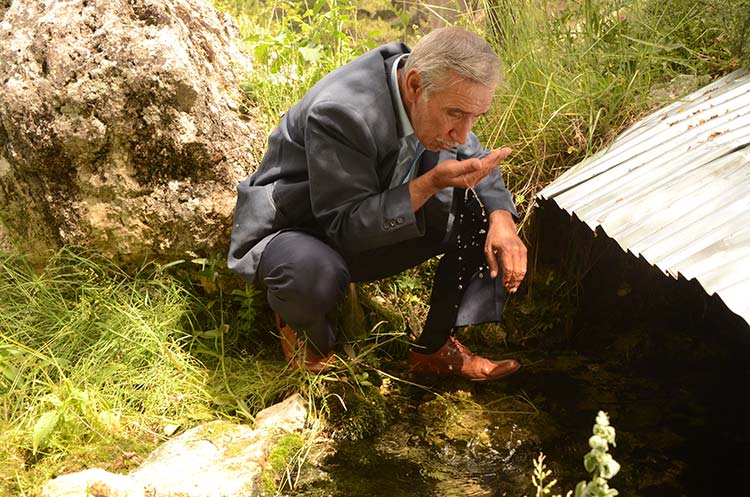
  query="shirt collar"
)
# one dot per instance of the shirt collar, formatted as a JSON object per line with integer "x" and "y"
{"x": 403, "y": 118}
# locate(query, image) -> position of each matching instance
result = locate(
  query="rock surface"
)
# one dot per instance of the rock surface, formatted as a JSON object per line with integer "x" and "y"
{"x": 217, "y": 459}
{"x": 96, "y": 482}
{"x": 5, "y": 243}
{"x": 120, "y": 127}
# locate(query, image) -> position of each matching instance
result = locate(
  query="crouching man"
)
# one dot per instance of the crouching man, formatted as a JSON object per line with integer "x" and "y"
{"x": 374, "y": 171}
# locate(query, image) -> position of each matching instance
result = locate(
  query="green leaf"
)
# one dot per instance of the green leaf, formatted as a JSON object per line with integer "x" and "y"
{"x": 43, "y": 428}
{"x": 598, "y": 443}
{"x": 580, "y": 488}
{"x": 9, "y": 371}
{"x": 608, "y": 467}
{"x": 590, "y": 462}
{"x": 215, "y": 333}
{"x": 310, "y": 54}
{"x": 170, "y": 264}
{"x": 52, "y": 399}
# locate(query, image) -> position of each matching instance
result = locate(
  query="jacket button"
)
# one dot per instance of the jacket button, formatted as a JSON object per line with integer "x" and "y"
{"x": 400, "y": 220}
{"x": 386, "y": 225}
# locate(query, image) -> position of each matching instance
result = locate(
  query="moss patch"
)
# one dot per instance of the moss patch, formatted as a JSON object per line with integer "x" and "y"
{"x": 282, "y": 456}
{"x": 357, "y": 413}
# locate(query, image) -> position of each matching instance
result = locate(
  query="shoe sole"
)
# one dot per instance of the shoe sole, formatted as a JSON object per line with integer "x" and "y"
{"x": 429, "y": 379}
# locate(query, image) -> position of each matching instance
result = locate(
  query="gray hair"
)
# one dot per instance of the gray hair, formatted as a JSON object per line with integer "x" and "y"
{"x": 447, "y": 50}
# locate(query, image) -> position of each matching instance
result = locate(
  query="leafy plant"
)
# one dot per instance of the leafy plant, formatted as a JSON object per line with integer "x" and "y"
{"x": 539, "y": 477}
{"x": 293, "y": 44}
{"x": 599, "y": 462}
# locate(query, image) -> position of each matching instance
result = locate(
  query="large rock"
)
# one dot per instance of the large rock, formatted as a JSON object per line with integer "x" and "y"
{"x": 5, "y": 243}
{"x": 120, "y": 127}
{"x": 216, "y": 459}
{"x": 92, "y": 482}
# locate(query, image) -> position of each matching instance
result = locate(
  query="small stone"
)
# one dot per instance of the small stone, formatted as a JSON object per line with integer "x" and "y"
{"x": 170, "y": 429}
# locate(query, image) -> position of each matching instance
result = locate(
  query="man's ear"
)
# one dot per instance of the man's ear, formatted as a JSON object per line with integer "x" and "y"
{"x": 413, "y": 85}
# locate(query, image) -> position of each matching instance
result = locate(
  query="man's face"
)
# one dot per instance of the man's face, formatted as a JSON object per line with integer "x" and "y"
{"x": 443, "y": 119}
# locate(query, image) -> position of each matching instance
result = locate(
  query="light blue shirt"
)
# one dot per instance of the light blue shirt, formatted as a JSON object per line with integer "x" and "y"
{"x": 410, "y": 149}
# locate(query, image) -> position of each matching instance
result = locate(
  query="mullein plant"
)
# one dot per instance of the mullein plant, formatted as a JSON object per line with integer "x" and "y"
{"x": 598, "y": 461}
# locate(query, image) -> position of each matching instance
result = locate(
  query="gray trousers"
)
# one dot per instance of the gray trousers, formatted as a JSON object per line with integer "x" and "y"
{"x": 304, "y": 277}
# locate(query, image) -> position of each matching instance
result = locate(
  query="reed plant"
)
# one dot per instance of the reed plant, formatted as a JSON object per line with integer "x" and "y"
{"x": 577, "y": 73}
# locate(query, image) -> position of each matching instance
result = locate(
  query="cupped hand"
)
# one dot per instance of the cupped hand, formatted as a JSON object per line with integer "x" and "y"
{"x": 467, "y": 173}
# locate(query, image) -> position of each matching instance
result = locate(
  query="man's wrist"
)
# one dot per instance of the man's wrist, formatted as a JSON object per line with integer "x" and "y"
{"x": 502, "y": 214}
{"x": 422, "y": 188}
{"x": 503, "y": 218}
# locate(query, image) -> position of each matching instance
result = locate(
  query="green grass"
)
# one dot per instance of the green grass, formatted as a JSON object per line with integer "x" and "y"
{"x": 90, "y": 355}
{"x": 96, "y": 363}
{"x": 579, "y": 72}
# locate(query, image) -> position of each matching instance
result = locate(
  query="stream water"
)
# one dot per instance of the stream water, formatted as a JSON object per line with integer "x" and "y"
{"x": 679, "y": 433}
{"x": 667, "y": 363}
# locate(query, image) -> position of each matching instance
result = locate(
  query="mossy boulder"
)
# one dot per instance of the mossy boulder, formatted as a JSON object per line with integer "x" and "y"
{"x": 215, "y": 459}
{"x": 120, "y": 126}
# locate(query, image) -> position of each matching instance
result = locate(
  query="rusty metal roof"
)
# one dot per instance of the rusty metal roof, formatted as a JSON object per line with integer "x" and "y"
{"x": 674, "y": 188}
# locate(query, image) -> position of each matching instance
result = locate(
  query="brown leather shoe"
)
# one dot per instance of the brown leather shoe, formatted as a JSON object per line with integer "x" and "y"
{"x": 455, "y": 359}
{"x": 298, "y": 355}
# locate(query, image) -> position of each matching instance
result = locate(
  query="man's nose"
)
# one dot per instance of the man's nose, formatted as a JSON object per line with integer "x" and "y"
{"x": 460, "y": 131}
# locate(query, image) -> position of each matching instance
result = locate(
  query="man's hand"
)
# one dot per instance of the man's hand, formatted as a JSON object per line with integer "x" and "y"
{"x": 504, "y": 245}
{"x": 457, "y": 173}
{"x": 467, "y": 173}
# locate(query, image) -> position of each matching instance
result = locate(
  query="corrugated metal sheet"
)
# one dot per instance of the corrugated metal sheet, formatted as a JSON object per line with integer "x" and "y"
{"x": 675, "y": 189}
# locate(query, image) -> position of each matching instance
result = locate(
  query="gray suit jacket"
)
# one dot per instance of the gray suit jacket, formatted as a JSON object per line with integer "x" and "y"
{"x": 328, "y": 168}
